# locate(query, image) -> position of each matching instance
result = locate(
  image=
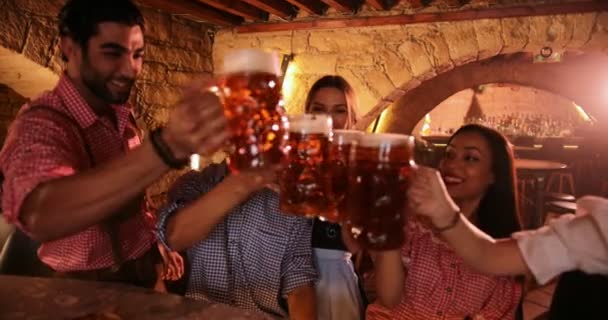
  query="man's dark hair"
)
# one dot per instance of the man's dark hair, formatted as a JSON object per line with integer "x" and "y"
{"x": 79, "y": 19}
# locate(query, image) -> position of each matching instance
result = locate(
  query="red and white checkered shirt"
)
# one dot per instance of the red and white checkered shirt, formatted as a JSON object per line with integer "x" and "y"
{"x": 439, "y": 285}
{"x": 42, "y": 145}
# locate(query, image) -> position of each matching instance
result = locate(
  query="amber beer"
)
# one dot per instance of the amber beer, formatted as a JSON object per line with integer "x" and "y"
{"x": 378, "y": 176}
{"x": 252, "y": 100}
{"x": 340, "y": 153}
{"x": 304, "y": 180}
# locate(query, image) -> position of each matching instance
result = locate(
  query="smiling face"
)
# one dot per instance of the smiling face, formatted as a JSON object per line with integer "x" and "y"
{"x": 109, "y": 65}
{"x": 331, "y": 101}
{"x": 467, "y": 166}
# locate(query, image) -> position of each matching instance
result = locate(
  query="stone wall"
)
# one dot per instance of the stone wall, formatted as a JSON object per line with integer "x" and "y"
{"x": 383, "y": 63}
{"x": 177, "y": 51}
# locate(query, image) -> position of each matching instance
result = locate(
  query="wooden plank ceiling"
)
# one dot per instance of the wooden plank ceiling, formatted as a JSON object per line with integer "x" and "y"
{"x": 276, "y": 15}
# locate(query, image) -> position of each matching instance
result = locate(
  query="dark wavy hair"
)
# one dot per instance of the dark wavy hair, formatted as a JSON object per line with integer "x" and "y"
{"x": 79, "y": 19}
{"x": 498, "y": 213}
{"x": 341, "y": 84}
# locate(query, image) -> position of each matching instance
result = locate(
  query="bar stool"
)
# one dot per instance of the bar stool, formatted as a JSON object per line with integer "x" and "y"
{"x": 564, "y": 179}
{"x": 561, "y": 207}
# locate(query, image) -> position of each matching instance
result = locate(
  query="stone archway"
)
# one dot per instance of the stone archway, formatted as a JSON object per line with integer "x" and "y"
{"x": 580, "y": 77}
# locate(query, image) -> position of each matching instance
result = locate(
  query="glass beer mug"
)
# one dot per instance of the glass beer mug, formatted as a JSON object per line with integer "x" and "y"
{"x": 378, "y": 175}
{"x": 251, "y": 94}
{"x": 304, "y": 180}
{"x": 339, "y": 159}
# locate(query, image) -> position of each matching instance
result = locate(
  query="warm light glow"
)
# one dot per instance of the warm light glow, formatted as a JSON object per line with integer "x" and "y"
{"x": 195, "y": 162}
{"x": 289, "y": 85}
{"x": 582, "y": 113}
{"x": 426, "y": 125}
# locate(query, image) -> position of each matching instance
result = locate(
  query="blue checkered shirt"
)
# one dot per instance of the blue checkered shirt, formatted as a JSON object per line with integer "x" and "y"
{"x": 252, "y": 259}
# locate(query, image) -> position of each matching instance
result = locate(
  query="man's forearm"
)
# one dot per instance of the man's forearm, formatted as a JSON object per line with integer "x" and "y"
{"x": 65, "y": 206}
{"x": 302, "y": 303}
{"x": 194, "y": 222}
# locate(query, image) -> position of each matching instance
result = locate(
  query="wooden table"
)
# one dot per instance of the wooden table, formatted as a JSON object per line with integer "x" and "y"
{"x": 46, "y": 298}
{"x": 539, "y": 170}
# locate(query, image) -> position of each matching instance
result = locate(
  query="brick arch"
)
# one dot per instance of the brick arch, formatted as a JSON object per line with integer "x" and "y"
{"x": 581, "y": 77}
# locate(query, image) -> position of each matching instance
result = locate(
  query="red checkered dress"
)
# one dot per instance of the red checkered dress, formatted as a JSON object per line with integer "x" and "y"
{"x": 42, "y": 146}
{"x": 439, "y": 285}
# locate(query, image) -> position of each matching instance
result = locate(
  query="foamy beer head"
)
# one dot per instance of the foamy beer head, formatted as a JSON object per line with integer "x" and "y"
{"x": 344, "y": 137}
{"x": 251, "y": 61}
{"x": 304, "y": 124}
{"x": 384, "y": 140}
{"x": 251, "y": 94}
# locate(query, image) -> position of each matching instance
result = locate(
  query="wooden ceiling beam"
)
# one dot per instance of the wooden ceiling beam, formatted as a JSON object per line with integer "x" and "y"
{"x": 382, "y": 4}
{"x": 344, "y": 5}
{"x": 195, "y": 10}
{"x": 277, "y": 7}
{"x": 471, "y": 14}
{"x": 238, "y": 8}
{"x": 311, "y": 6}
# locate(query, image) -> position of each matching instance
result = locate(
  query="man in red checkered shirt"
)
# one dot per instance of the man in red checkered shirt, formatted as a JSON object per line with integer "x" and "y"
{"x": 74, "y": 167}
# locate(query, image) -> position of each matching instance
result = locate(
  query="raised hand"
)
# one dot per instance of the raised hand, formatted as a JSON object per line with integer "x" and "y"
{"x": 197, "y": 123}
{"x": 428, "y": 196}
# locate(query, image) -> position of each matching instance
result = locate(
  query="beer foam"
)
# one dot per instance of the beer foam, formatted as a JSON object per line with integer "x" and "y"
{"x": 310, "y": 123}
{"x": 383, "y": 139}
{"x": 251, "y": 60}
{"x": 347, "y": 136}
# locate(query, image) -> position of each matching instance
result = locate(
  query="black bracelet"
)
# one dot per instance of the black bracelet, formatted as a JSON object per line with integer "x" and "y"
{"x": 163, "y": 151}
{"x": 452, "y": 224}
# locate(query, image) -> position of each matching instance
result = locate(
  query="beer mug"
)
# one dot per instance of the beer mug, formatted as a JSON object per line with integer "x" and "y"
{"x": 304, "y": 179}
{"x": 339, "y": 159}
{"x": 250, "y": 91}
{"x": 378, "y": 175}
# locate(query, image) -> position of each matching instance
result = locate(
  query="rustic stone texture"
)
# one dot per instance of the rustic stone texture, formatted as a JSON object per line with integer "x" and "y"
{"x": 395, "y": 67}
{"x": 158, "y": 24}
{"x": 599, "y": 37}
{"x": 406, "y": 55}
{"x": 435, "y": 46}
{"x": 582, "y": 28}
{"x": 48, "y": 8}
{"x": 320, "y": 63}
{"x": 416, "y": 57}
{"x": 176, "y": 50}
{"x": 41, "y": 41}
{"x": 461, "y": 41}
{"x": 515, "y": 33}
{"x": 14, "y": 26}
{"x": 489, "y": 42}
{"x": 539, "y": 35}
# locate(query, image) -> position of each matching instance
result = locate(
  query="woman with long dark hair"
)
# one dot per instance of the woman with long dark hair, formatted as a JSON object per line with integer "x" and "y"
{"x": 479, "y": 176}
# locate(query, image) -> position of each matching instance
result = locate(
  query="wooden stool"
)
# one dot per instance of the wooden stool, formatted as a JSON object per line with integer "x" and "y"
{"x": 564, "y": 179}
{"x": 561, "y": 207}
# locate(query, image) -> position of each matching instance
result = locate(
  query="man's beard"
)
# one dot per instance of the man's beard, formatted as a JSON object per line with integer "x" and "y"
{"x": 99, "y": 85}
